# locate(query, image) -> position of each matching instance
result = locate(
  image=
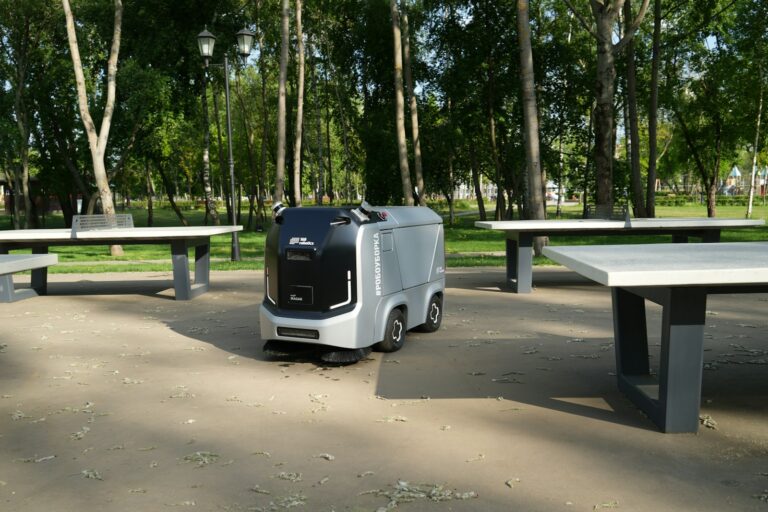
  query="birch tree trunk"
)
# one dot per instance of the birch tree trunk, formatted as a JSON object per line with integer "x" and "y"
{"x": 319, "y": 123}
{"x": 402, "y": 148}
{"x": 757, "y": 142}
{"x": 299, "y": 110}
{"x": 536, "y": 205}
{"x": 474, "y": 166}
{"x": 222, "y": 162}
{"x": 605, "y": 14}
{"x": 419, "y": 175}
{"x": 282, "y": 79}
{"x": 98, "y": 142}
{"x": 638, "y": 199}
{"x": 150, "y": 194}
{"x": 264, "y": 131}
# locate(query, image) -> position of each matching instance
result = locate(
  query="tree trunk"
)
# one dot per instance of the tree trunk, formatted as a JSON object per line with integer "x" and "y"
{"x": 757, "y": 142}
{"x": 264, "y": 133}
{"x": 22, "y": 171}
{"x": 402, "y": 148}
{"x": 476, "y": 181}
{"x": 299, "y": 110}
{"x": 638, "y": 199}
{"x": 604, "y": 120}
{"x": 150, "y": 195}
{"x": 500, "y": 203}
{"x": 220, "y": 152}
{"x": 210, "y": 202}
{"x": 330, "y": 188}
{"x": 280, "y": 166}
{"x": 345, "y": 141}
{"x": 605, "y": 14}
{"x": 536, "y": 204}
{"x": 98, "y": 143}
{"x": 653, "y": 109}
{"x": 419, "y": 175}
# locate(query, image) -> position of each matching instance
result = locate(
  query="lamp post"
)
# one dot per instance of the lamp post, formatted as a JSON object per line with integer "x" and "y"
{"x": 206, "y": 41}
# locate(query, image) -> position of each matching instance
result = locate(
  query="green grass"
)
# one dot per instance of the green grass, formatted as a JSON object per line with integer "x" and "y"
{"x": 465, "y": 245}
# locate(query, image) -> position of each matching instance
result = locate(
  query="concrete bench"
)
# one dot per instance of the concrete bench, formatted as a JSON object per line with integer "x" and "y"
{"x": 678, "y": 277}
{"x": 520, "y": 235}
{"x": 12, "y": 263}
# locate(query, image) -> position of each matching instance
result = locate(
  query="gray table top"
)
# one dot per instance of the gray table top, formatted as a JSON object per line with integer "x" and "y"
{"x": 11, "y": 263}
{"x": 599, "y": 224}
{"x": 153, "y": 233}
{"x": 667, "y": 264}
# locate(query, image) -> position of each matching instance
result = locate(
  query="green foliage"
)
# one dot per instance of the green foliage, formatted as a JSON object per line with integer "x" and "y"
{"x": 465, "y": 65}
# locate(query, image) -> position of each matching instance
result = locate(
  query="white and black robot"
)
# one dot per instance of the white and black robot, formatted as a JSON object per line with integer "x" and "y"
{"x": 344, "y": 281}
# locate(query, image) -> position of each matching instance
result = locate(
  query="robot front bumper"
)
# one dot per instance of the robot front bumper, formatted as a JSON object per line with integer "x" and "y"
{"x": 342, "y": 330}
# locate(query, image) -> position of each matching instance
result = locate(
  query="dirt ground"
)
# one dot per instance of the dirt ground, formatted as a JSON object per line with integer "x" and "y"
{"x": 114, "y": 397}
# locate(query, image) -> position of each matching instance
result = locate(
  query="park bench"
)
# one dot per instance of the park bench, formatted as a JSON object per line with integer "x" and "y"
{"x": 119, "y": 230}
{"x": 520, "y": 235}
{"x": 13, "y": 263}
{"x": 678, "y": 277}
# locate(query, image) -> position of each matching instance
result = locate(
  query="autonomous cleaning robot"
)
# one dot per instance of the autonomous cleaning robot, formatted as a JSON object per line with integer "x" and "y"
{"x": 343, "y": 281}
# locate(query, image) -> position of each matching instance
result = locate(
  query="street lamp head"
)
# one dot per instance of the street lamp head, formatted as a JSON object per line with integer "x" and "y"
{"x": 245, "y": 42}
{"x": 205, "y": 41}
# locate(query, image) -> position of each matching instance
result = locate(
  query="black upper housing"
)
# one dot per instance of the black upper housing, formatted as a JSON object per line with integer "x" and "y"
{"x": 310, "y": 260}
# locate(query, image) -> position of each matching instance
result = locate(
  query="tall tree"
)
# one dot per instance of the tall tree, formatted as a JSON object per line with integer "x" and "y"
{"x": 285, "y": 14}
{"x": 653, "y": 112}
{"x": 299, "y": 109}
{"x": 536, "y": 207}
{"x": 402, "y": 147}
{"x": 633, "y": 129}
{"x": 98, "y": 141}
{"x": 605, "y": 14}
{"x": 413, "y": 107}
{"x": 22, "y": 24}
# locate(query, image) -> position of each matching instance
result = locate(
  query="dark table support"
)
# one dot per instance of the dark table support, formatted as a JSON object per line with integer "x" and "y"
{"x": 40, "y": 275}
{"x": 673, "y": 401}
{"x": 519, "y": 262}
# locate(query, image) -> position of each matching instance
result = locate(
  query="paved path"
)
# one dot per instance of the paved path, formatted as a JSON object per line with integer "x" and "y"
{"x": 118, "y": 400}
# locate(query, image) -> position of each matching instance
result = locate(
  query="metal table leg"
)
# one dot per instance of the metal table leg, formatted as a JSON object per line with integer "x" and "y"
{"x": 673, "y": 401}
{"x": 519, "y": 262}
{"x": 40, "y": 275}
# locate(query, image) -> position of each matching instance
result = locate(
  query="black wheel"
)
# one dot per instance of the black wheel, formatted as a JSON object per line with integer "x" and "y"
{"x": 394, "y": 334}
{"x": 434, "y": 314}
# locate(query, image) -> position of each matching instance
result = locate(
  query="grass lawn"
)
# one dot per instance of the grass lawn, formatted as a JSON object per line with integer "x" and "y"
{"x": 465, "y": 245}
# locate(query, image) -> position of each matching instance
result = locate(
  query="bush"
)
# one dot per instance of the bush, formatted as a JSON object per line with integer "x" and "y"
{"x": 668, "y": 199}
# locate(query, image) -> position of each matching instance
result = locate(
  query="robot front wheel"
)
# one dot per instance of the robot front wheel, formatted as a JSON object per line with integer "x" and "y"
{"x": 394, "y": 333}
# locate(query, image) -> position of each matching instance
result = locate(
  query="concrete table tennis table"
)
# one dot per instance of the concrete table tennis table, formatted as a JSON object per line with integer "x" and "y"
{"x": 520, "y": 235}
{"x": 678, "y": 277}
{"x": 12, "y": 263}
{"x": 179, "y": 238}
